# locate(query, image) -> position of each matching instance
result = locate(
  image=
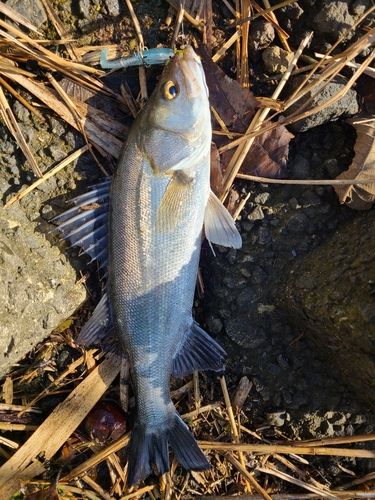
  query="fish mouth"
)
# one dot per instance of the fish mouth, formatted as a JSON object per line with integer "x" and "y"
{"x": 191, "y": 68}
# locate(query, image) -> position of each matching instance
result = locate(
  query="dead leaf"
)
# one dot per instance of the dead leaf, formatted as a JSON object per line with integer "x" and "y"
{"x": 360, "y": 196}
{"x": 234, "y": 104}
{"x": 366, "y": 94}
{"x": 268, "y": 155}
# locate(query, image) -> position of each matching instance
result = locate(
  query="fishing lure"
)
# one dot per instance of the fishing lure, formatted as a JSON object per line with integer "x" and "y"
{"x": 146, "y": 57}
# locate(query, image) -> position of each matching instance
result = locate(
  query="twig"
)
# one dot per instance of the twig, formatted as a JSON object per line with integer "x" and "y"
{"x": 349, "y": 495}
{"x": 141, "y": 46}
{"x": 272, "y": 20}
{"x": 77, "y": 117}
{"x": 21, "y": 99}
{"x": 47, "y": 175}
{"x": 241, "y": 152}
{"x": 177, "y": 27}
{"x": 247, "y": 476}
{"x": 15, "y": 130}
{"x": 145, "y": 489}
{"x": 262, "y": 12}
{"x": 290, "y": 479}
{"x": 64, "y": 419}
{"x": 307, "y": 182}
{"x": 275, "y": 448}
{"x": 233, "y": 425}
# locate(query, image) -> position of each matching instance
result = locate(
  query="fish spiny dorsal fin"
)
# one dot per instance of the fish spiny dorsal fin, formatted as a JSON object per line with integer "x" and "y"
{"x": 86, "y": 224}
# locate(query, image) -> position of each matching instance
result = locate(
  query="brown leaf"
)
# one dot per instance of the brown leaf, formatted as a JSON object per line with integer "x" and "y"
{"x": 366, "y": 93}
{"x": 360, "y": 196}
{"x": 269, "y": 154}
{"x": 234, "y": 104}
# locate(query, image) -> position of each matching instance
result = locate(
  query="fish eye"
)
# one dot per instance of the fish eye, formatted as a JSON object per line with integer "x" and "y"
{"x": 170, "y": 90}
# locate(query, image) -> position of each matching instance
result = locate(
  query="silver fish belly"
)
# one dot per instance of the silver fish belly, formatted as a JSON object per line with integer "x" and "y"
{"x": 159, "y": 201}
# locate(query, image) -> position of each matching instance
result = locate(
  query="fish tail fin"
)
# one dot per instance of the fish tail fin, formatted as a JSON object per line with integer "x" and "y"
{"x": 149, "y": 449}
{"x": 185, "y": 447}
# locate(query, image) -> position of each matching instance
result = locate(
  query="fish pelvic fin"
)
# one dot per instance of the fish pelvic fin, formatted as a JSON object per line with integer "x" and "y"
{"x": 149, "y": 449}
{"x": 198, "y": 352}
{"x": 219, "y": 226}
{"x": 99, "y": 328}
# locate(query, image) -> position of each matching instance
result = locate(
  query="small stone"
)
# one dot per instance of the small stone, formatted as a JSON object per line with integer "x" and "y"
{"x": 21, "y": 113}
{"x": 214, "y": 324}
{"x": 333, "y": 19}
{"x": 262, "y": 198}
{"x": 256, "y": 214}
{"x": 113, "y": 7}
{"x": 276, "y": 418}
{"x": 276, "y": 60}
{"x": 84, "y": 7}
{"x": 262, "y": 35}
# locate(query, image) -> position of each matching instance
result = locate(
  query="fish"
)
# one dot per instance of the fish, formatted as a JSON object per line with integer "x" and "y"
{"x": 146, "y": 228}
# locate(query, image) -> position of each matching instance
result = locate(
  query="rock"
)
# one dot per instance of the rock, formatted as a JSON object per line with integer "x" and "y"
{"x": 359, "y": 7}
{"x": 113, "y": 7}
{"x": 38, "y": 289}
{"x": 333, "y": 19}
{"x": 84, "y": 7}
{"x": 33, "y": 11}
{"x": 344, "y": 107}
{"x": 331, "y": 294}
{"x": 276, "y": 60}
{"x": 262, "y": 34}
{"x": 276, "y": 418}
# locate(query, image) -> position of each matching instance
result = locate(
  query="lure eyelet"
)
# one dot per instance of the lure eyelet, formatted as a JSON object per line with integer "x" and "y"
{"x": 170, "y": 90}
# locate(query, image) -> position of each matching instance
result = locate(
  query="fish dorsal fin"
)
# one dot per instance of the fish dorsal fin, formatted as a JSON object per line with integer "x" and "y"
{"x": 173, "y": 204}
{"x": 86, "y": 224}
{"x": 219, "y": 226}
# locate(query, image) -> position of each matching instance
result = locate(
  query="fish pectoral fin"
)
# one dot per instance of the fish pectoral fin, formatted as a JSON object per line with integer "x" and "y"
{"x": 198, "y": 352}
{"x": 219, "y": 226}
{"x": 99, "y": 328}
{"x": 172, "y": 205}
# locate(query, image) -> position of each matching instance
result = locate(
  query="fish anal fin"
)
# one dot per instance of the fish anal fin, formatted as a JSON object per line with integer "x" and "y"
{"x": 219, "y": 226}
{"x": 172, "y": 205}
{"x": 198, "y": 352}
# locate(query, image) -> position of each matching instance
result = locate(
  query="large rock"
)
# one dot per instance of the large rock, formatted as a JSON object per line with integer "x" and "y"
{"x": 38, "y": 289}
{"x": 332, "y": 296}
{"x": 342, "y": 108}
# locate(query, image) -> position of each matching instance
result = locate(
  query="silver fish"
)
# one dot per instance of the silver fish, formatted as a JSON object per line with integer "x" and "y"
{"x": 160, "y": 200}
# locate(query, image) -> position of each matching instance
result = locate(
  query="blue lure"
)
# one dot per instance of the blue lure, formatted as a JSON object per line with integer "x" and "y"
{"x": 142, "y": 57}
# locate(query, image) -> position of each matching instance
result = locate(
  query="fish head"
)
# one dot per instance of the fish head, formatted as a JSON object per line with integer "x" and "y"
{"x": 176, "y": 125}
